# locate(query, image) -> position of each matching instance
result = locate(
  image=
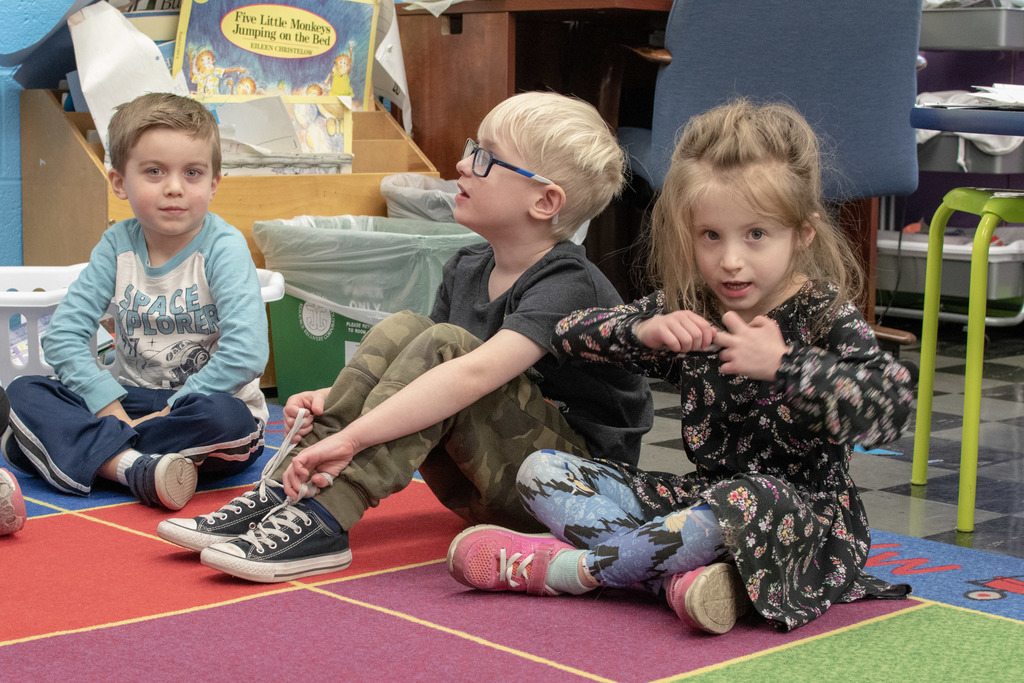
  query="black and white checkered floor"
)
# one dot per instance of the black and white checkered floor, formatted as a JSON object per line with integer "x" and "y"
{"x": 929, "y": 511}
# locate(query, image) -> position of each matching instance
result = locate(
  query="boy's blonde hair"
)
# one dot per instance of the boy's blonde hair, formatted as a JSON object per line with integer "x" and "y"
{"x": 769, "y": 155}
{"x": 160, "y": 110}
{"x": 565, "y": 140}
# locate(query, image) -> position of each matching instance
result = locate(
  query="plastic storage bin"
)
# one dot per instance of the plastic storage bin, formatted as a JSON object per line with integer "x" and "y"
{"x": 414, "y": 195}
{"x": 343, "y": 274}
{"x": 30, "y": 294}
{"x": 901, "y": 271}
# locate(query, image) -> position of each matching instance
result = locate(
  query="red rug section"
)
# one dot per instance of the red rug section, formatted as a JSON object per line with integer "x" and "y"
{"x": 72, "y": 571}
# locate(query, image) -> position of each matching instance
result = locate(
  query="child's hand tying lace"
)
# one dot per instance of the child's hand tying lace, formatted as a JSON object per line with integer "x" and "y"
{"x": 302, "y": 409}
{"x": 316, "y": 467}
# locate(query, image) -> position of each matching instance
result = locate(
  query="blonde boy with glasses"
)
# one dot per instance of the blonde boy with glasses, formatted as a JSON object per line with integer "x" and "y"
{"x": 465, "y": 394}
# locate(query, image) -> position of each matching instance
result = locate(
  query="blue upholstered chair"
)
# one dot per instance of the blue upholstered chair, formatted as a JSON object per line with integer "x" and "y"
{"x": 848, "y": 67}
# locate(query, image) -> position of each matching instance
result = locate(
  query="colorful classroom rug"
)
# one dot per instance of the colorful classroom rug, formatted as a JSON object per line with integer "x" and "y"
{"x": 89, "y": 592}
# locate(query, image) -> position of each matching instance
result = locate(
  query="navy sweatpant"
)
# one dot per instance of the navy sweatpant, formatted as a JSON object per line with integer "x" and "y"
{"x": 57, "y": 437}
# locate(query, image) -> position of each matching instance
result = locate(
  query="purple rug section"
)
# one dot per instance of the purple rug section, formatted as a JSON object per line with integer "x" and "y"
{"x": 561, "y": 629}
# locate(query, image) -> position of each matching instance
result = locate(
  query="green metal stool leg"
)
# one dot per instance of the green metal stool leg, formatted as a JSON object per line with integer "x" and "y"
{"x": 977, "y": 305}
{"x": 929, "y": 338}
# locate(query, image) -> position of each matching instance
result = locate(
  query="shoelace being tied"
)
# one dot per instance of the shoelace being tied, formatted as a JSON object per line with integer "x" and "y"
{"x": 248, "y": 498}
{"x": 286, "y": 514}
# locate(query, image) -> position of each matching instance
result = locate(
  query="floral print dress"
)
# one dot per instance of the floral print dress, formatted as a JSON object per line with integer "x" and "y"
{"x": 772, "y": 458}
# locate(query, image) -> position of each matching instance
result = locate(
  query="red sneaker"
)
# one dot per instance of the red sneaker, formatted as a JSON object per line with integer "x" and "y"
{"x": 710, "y": 598}
{"x": 12, "y": 504}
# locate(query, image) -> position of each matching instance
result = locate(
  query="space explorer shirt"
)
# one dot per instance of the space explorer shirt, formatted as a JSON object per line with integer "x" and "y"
{"x": 196, "y": 324}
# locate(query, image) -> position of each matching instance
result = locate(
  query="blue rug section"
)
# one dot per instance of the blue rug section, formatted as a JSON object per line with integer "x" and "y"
{"x": 874, "y": 451}
{"x": 106, "y": 493}
{"x": 950, "y": 574}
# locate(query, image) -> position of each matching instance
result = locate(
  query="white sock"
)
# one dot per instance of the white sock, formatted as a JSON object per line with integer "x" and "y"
{"x": 128, "y": 458}
{"x": 563, "y": 576}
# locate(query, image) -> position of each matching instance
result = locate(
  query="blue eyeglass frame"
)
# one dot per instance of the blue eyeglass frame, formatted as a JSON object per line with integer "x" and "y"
{"x": 474, "y": 150}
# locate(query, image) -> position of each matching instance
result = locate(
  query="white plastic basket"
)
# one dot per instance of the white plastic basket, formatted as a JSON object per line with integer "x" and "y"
{"x": 29, "y": 293}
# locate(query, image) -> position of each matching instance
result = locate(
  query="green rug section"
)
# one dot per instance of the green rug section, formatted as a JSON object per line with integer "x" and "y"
{"x": 932, "y": 643}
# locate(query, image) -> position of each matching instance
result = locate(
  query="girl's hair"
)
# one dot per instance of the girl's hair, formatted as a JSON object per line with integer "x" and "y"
{"x": 769, "y": 156}
{"x": 565, "y": 140}
{"x": 160, "y": 110}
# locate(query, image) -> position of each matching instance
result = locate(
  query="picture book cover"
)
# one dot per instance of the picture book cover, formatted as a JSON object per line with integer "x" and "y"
{"x": 286, "y": 47}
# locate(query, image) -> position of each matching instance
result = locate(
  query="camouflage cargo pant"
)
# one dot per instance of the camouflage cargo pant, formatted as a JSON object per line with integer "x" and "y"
{"x": 468, "y": 460}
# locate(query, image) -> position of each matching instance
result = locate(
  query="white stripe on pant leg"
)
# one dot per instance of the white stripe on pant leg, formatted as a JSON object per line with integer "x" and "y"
{"x": 243, "y": 447}
{"x": 47, "y": 469}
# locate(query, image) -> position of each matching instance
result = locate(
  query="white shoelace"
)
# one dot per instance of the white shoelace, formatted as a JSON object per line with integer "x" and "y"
{"x": 249, "y": 499}
{"x": 274, "y": 525}
{"x": 286, "y": 514}
{"x": 508, "y": 570}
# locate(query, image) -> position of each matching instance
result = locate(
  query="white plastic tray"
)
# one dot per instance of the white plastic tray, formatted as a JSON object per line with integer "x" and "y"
{"x": 29, "y": 293}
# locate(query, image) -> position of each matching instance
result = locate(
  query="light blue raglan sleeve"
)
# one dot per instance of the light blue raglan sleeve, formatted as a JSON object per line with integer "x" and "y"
{"x": 66, "y": 340}
{"x": 244, "y": 347}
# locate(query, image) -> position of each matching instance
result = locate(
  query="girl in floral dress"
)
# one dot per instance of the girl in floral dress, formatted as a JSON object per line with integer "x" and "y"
{"x": 779, "y": 377}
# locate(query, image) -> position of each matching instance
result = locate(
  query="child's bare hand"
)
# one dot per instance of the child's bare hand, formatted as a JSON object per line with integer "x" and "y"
{"x": 753, "y": 350}
{"x": 312, "y": 401}
{"x": 328, "y": 456}
{"x": 679, "y": 331}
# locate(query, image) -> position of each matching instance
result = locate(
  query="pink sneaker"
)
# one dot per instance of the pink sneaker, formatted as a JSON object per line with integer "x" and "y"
{"x": 12, "y": 504}
{"x": 491, "y": 558}
{"x": 710, "y": 598}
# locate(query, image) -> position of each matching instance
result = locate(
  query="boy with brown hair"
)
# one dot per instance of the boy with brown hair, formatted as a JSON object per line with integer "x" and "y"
{"x": 190, "y": 328}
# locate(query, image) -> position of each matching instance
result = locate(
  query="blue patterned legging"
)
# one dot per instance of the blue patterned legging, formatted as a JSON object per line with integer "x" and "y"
{"x": 592, "y": 506}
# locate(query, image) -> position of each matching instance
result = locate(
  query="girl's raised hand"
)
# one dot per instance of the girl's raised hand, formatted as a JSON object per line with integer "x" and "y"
{"x": 679, "y": 331}
{"x": 754, "y": 350}
{"x": 312, "y": 401}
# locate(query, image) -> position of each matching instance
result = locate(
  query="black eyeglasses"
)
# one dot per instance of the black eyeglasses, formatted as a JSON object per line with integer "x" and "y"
{"x": 483, "y": 160}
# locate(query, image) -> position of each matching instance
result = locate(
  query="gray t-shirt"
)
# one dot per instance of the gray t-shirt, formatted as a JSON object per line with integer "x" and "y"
{"x": 609, "y": 406}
